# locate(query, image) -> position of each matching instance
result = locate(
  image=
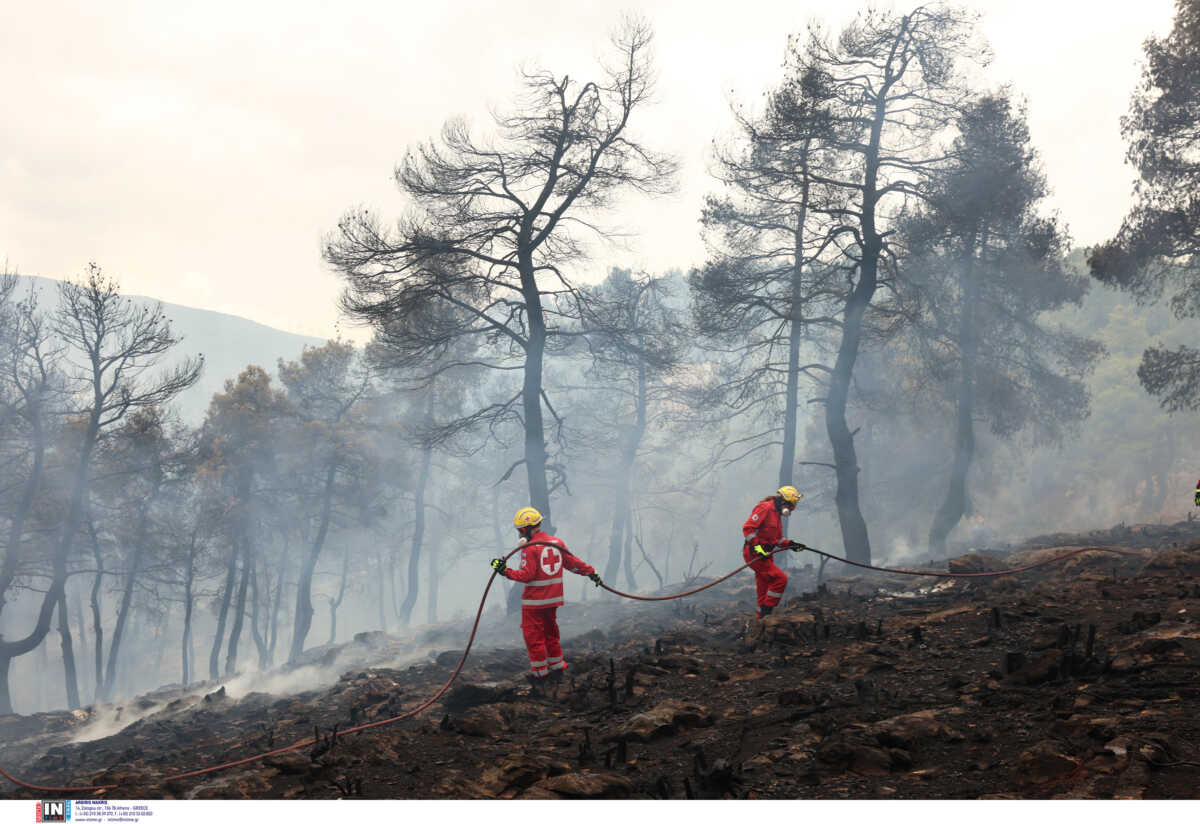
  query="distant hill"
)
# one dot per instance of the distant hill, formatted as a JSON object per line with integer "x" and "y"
{"x": 229, "y": 343}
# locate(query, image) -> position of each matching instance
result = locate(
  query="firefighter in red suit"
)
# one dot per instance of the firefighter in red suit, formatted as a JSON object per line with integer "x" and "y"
{"x": 541, "y": 572}
{"x": 764, "y": 532}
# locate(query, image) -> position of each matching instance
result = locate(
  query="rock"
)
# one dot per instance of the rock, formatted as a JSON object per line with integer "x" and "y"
{"x": 486, "y": 722}
{"x": 747, "y": 674}
{"x": 686, "y": 663}
{"x": 906, "y": 731}
{"x": 1176, "y": 560}
{"x": 662, "y": 720}
{"x": 474, "y": 695}
{"x": 871, "y": 761}
{"x": 1041, "y": 669}
{"x": 788, "y": 627}
{"x": 975, "y": 562}
{"x": 1103, "y": 728}
{"x": 801, "y": 697}
{"x": 1124, "y": 663}
{"x": 1096, "y": 562}
{"x": 1139, "y": 621}
{"x": 581, "y": 785}
{"x": 518, "y": 772}
{"x": 449, "y": 658}
{"x": 291, "y": 763}
{"x": 373, "y": 639}
{"x": 858, "y": 758}
{"x": 1044, "y": 762}
{"x": 758, "y": 762}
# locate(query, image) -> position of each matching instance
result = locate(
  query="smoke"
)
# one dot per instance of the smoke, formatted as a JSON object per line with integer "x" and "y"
{"x": 901, "y": 552}
{"x": 108, "y": 719}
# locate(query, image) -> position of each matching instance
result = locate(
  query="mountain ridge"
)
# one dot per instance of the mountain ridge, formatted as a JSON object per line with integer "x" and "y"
{"x": 229, "y": 343}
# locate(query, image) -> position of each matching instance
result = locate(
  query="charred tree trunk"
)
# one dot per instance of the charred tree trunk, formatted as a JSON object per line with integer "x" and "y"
{"x": 531, "y": 394}
{"x": 68, "y": 653}
{"x": 97, "y": 626}
{"x": 616, "y": 538}
{"x": 621, "y": 538}
{"x": 62, "y": 551}
{"x": 380, "y": 578}
{"x": 787, "y": 459}
{"x": 137, "y": 630}
{"x": 260, "y": 644}
{"x": 81, "y": 633}
{"x": 855, "y": 541}
{"x": 955, "y": 504}
{"x": 135, "y": 568}
{"x": 186, "y": 643}
{"x": 214, "y": 658}
{"x": 304, "y": 608}
{"x": 393, "y": 571}
{"x": 433, "y": 583}
{"x": 335, "y": 603}
{"x": 629, "y": 579}
{"x": 160, "y": 640}
{"x": 239, "y": 610}
{"x": 5, "y": 695}
{"x": 275, "y": 604}
{"x": 16, "y": 528}
{"x": 414, "y": 557}
{"x": 853, "y": 526}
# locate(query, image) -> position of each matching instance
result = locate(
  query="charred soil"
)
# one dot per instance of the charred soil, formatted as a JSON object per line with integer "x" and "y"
{"x": 1081, "y": 680}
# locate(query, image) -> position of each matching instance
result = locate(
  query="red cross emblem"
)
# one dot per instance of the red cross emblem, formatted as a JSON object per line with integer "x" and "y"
{"x": 551, "y": 561}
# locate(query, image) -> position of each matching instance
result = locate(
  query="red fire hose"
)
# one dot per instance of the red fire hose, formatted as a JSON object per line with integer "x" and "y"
{"x": 306, "y": 742}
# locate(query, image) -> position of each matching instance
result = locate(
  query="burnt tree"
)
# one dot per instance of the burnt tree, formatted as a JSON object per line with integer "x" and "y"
{"x": 483, "y": 254}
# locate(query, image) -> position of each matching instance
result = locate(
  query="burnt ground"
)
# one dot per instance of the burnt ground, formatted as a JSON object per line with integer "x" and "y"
{"x": 1081, "y": 680}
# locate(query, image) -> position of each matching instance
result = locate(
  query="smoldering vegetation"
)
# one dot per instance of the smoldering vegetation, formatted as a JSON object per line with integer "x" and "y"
{"x": 890, "y": 318}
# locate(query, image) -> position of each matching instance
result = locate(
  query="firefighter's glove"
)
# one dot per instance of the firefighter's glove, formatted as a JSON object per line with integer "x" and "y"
{"x": 796, "y": 546}
{"x": 595, "y": 577}
{"x": 1198, "y": 496}
{"x": 760, "y": 550}
{"x": 499, "y": 565}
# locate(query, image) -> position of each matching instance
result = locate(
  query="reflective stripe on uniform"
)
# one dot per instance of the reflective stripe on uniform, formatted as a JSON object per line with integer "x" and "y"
{"x": 541, "y": 582}
{"x": 541, "y": 602}
{"x": 536, "y": 664}
{"x": 774, "y": 594}
{"x": 559, "y": 666}
{"x": 541, "y": 673}
{"x": 554, "y": 659}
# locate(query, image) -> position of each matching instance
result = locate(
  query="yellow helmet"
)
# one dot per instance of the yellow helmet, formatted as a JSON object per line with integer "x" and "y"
{"x": 527, "y": 516}
{"x": 789, "y": 494}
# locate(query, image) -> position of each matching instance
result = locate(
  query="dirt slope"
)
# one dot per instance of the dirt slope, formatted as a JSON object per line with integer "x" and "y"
{"x": 1080, "y": 681}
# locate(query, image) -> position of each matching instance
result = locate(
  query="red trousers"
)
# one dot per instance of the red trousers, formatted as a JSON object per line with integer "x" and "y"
{"x": 770, "y": 580}
{"x": 540, "y": 627}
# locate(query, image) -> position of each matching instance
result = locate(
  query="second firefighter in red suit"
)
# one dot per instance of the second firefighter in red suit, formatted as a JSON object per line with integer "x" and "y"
{"x": 541, "y": 571}
{"x": 763, "y": 531}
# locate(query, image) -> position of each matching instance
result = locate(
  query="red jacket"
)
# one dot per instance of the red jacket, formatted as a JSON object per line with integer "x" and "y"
{"x": 541, "y": 572}
{"x": 763, "y": 526}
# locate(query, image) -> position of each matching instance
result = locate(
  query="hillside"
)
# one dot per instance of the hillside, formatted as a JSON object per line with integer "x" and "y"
{"x": 1078, "y": 681}
{"x": 228, "y": 342}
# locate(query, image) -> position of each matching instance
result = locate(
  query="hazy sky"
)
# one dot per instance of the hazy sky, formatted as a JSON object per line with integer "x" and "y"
{"x": 199, "y": 150}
